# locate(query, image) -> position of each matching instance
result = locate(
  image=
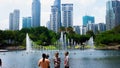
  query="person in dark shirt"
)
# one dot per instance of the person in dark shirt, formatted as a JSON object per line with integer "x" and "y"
{"x": 47, "y": 57}
{"x": 0, "y": 63}
{"x": 57, "y": 60}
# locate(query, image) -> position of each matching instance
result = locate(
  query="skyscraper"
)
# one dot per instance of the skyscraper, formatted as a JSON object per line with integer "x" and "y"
{"x": 36, "y": 13}
{"x": 14, "y": 19}
{"x": 93, "y": 27}
{"x": 48, "y": 25}
{"x": 26, "y": 22}
{"x": 101, "y": 27}
{"x": 77, "y": 29}
{"x": 55, "y": 17}
{"x": 11, "y": 21}
{"x": 84, "y": 30}
{"x": 88, "y": 19}
{"x": 112, "y": 14}
{"x": 67, "y": 15}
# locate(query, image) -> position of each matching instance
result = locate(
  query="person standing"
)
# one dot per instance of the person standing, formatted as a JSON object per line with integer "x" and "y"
{"x": 43, "y": 62}
{"x": 57, "y": 60}
{"x": 0, "y": 63}
{"x": 47, "y": 57}
{"x": 66, "y": 60}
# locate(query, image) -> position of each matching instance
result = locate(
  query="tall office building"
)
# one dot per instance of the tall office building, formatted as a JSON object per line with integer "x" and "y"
{"x": 55, "y": 17}
{"x": 26, "y": 22}
{"x": 88, "y": 19}
{"x": 48, "y": 25}
{"x": 67, "y": 15}
{"x": 84, "y": 30}
{"x": 101, "y": 27}
{"x": 112, "y": 14}
{"x": 14, "y": 19}
{"x": 77, "y": 29}
{"x": 11, "y": 21}
{"x": 93, "y": 27}
{"x": 36, "y": 13}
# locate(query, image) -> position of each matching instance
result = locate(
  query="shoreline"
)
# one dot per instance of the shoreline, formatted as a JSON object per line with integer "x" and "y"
{"x": 13, "y": 48}
{"x": 116, "y": 47}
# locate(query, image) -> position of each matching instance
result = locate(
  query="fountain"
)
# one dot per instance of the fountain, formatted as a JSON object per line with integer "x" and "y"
{"x": 78, "y": 58}
{"x": 91, "y": 43}
{"x": 63, "y": 41}
{"x": 28, "y": 43}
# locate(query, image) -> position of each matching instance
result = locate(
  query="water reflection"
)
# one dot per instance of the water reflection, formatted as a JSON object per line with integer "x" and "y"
{"x": 78, "y": 59}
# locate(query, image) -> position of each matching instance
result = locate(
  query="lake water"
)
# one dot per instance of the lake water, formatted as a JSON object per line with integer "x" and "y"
{"x": 78, "y": 58}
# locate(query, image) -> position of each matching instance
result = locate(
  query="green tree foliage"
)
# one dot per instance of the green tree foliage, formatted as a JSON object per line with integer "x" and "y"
{"x": 90, "y": 33}
{"x": 110, "y": 37}
{"x": 40, "y": 36}
{"x": 76, "y": 37}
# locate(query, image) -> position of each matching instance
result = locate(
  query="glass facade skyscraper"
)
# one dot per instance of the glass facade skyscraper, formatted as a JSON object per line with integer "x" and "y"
{"x": 26, "y": 22}
{"x": 36, "y": 13}
{"x": 77, "y": 29}
{"x": 11, "y": 21}
{"x": 55, "y": 17}
{"x": 101, "y": 27}
{"x": 67, "y": 15}
{"x": 93, "y": 27}
{"x": 88, "y": 19}
{"x": 112, "y": 14}
{"x": 14, "y": 19}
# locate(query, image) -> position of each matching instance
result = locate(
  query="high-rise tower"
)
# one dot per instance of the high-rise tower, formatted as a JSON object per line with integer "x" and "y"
{"x": 26, "y": 22}
{"x": 55, "y": 17}
{"x": 112, "y": 14}
{"x": 14, "y": 19}
{"x": 11, "y": 21}
{"x": 88, "y": 19}
{"x": 67, "y": 15}
{"x": 36, "y": 13}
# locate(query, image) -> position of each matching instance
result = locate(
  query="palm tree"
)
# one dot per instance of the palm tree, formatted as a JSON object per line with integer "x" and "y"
{"x": 62, "y": 29}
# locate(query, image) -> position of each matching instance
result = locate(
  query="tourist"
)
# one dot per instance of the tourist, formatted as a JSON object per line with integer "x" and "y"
{"x": 0, "y": 63}
{"x": 57, "y": 60}
{"x": 47, "y": 56}
{"x": 66, "y": 60}
{"x": 43, "y": 62}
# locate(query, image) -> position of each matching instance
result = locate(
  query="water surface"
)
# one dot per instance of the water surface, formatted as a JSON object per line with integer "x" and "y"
{"x": 78, "y": 58}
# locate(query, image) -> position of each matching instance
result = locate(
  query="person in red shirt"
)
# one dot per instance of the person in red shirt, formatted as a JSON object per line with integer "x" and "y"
{"x": 66, "y": 60}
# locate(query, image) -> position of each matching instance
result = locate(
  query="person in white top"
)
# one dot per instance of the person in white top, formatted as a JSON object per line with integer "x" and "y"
{"x": 66, "y": 60}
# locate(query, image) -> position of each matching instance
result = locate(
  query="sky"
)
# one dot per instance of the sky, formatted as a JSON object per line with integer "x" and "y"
{"x": 96, "y": 8}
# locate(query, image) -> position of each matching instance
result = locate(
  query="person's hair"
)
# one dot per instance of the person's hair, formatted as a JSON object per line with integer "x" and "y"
{"x": 47, "y": 56}
{"x": 56, "y": 54}
{"x": 66, "y": 53}
{"x": 43, "y": 56}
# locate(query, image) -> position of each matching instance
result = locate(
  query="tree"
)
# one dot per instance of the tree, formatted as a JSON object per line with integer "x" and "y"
{"x": 62, "y": 29}
{"x": 90, "y": 33}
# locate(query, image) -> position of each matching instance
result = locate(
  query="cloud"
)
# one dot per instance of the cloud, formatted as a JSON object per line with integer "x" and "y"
{"x": 4, "y": 24}
{"x": 99, "y": 13}
{"x": 81, "y": 7}
{"x": 86, "y": 2}
{"x": 45, "y": 17}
